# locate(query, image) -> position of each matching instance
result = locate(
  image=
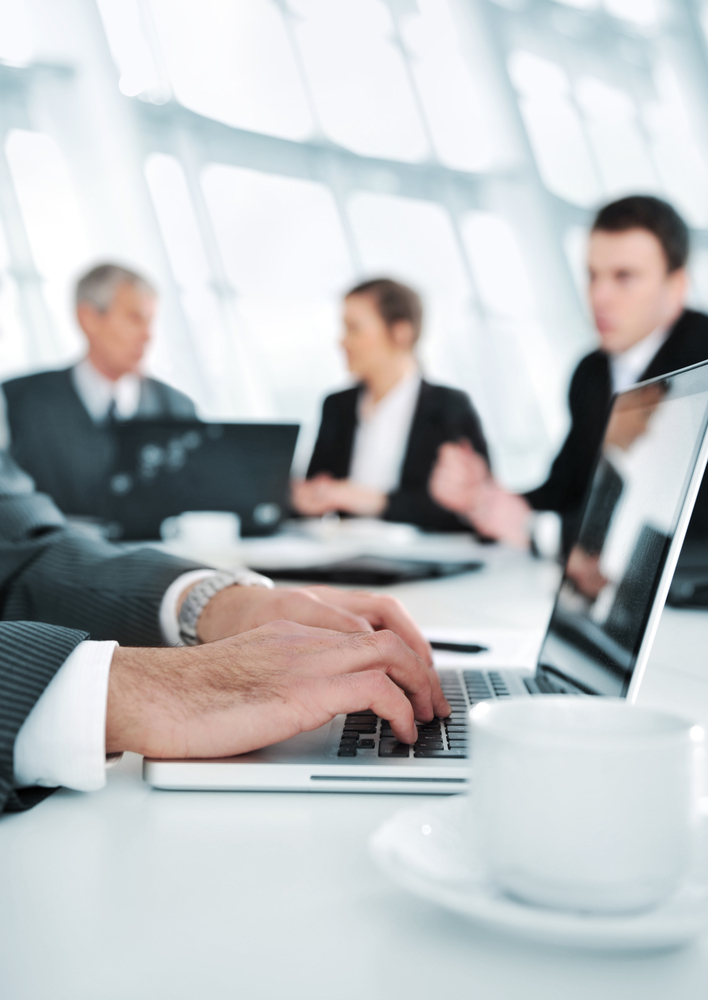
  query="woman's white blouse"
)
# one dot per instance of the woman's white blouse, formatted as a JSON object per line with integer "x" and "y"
{"x": 381, "y": 435}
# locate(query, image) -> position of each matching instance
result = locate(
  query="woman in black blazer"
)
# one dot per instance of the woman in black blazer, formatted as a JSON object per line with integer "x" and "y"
{"x": 378, "y": 441}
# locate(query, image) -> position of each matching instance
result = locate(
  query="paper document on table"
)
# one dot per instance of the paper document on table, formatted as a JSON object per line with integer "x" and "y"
{"x": 503, "y": 647}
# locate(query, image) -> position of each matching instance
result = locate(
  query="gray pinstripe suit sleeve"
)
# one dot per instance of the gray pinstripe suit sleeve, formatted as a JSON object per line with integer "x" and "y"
{"x": 57, "y": 587}
{"x": 30, "y": 655}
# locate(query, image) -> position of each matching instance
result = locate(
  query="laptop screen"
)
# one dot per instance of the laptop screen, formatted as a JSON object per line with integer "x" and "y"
{"x": 612, "y": 575}
{"x": 165, "y": 467}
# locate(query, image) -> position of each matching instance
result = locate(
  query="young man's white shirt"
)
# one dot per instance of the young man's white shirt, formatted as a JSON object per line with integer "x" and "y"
{"x": 627, "y": 367}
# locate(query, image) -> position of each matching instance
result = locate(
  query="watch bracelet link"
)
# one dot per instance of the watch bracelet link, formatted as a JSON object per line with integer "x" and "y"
{"x": 203, "y": 591}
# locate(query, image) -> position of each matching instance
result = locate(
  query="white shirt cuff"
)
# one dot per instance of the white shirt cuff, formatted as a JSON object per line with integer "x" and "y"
{"x": 63, "y": 739}
{"x": 168, "y": 608}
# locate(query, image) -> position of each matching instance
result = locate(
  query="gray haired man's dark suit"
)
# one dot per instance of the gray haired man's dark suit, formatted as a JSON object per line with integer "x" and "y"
{"x": 58, "y": 586}
{"x": 56, "y": 441}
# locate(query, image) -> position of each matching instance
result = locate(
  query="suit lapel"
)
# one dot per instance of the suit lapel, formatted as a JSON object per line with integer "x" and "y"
{"x": 423, "y": 417}
{"x": 667, "y": 358}
{"x": 349, "y": 421}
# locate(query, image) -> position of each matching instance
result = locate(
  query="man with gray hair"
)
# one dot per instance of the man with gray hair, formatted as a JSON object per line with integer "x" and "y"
{"x": 59, "y": 422}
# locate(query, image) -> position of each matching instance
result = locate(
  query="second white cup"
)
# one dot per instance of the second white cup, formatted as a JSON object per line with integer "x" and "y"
{"x": 203, "y": 530}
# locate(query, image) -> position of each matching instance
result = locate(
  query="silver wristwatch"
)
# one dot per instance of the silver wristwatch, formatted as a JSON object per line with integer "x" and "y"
{"x": 203, "y": 591}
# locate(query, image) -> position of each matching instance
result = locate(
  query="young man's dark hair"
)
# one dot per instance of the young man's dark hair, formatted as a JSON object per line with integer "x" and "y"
{"x": 644, "y": 211}
{"x": 394, "y": 302}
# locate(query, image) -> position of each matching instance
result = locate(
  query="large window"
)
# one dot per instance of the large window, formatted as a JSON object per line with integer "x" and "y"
{"x": 257, "y": 158}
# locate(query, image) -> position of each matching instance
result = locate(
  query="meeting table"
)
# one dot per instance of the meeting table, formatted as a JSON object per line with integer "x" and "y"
{"x": 132, "y": 893}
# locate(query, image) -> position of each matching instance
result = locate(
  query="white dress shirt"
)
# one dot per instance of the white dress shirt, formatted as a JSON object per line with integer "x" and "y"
{"x": 63, "y": 739}
{"x": 382, "y": 435}
{"x": 627, "y": 366}
{"x": 97, "y": 392}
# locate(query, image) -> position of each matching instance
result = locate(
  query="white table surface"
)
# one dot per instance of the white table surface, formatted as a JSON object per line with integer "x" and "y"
{"x": 137, "y": 894}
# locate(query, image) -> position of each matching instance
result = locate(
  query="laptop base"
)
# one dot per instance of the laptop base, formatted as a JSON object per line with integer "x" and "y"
{"x": 355, "y": 753}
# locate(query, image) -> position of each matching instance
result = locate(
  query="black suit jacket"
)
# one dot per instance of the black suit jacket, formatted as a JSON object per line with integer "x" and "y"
{"x": 57, "y": 587}
{"x": 589, "y": 399}
{"x": 56, "y": 441}
{"x": 441, "y": 415}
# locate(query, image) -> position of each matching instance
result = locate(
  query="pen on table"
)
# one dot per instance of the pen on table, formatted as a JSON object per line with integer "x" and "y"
{"x": 457, "y": 647}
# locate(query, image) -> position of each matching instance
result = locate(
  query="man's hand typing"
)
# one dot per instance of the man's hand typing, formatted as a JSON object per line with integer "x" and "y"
{"x": 266, "y": 685}
{"x": 239, "y": 609}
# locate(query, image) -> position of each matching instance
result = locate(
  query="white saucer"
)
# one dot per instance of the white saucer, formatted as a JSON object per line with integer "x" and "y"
{"x": 425, "y": 850}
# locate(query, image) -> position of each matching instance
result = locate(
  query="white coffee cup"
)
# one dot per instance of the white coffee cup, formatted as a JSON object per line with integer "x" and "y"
{"x": 203, "y": 530}
{"x": 584, "y": 803}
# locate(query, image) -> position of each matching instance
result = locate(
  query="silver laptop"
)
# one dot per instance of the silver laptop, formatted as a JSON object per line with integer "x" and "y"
{"x": 598, "y": 640}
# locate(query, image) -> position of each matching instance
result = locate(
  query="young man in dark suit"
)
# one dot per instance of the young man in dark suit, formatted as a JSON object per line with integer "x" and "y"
{"x": 638, "y": 283}
{"x": 60, "y": 422}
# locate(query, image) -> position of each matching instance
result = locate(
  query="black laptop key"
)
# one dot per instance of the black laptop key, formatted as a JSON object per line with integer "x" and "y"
{"x": 367, "y": 744}
{"x": 347, "y": 751}
{"x": 392, "y": 748}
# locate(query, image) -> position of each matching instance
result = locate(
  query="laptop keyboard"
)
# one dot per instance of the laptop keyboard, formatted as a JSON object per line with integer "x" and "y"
{"x": 444, "y": 739}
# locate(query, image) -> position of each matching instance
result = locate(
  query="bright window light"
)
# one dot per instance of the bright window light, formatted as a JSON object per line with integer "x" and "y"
{"x": 621, "y": 151}
{"x": 358, "y": 78}
{"x": 14, "y": 345}
{"x": 233, "y": 62}
{"x": 54, "y": 226}
{"x": 455, "y": 98}
{"x": 580, "y": 4}
{"x": 252, "y": 262}
{"x": 16, "y": 35}
{"x": 125, "y": 31}
{"x": 575, "y": 244}
{"x": 526, "y": 412}
{"x": 285, "y": 253}
{"x": 414, "y": 241}
{"x": 699, "y": 279}
{"x": 643, "y": 13}
{"x": 183, "y": 245}
{"x": 680, "y": 162}
{"x": 554, "y": 129}
{"x": 502, "y": 279}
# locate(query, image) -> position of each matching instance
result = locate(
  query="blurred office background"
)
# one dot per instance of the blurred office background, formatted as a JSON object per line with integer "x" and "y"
{"x": 256, "y": 157}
